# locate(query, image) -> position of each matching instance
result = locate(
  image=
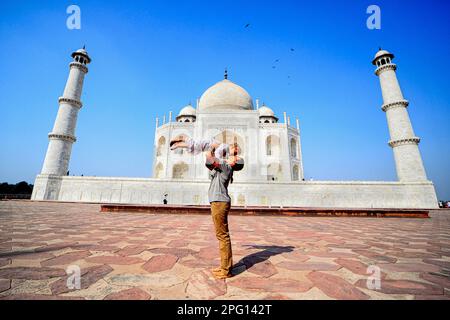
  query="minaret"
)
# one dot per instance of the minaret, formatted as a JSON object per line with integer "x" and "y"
{"x": 404, "y": 142}
{"x": 63, "y": 134}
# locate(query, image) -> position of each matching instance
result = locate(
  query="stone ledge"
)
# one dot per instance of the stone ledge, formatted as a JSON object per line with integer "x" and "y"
{"x": 270, "y": 211}
{"x": 259, "y": 183}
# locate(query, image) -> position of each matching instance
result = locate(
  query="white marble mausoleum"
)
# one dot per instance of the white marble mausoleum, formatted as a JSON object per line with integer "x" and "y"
{"x": 271, "y": 146}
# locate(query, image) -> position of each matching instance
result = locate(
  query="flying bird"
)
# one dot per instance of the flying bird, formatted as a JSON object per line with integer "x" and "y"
{"x": 247, "y": 25}
{"x": 292, "y": 49}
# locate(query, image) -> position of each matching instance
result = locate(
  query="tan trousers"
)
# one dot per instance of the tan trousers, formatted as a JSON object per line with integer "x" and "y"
{"x": 219, "y": 212}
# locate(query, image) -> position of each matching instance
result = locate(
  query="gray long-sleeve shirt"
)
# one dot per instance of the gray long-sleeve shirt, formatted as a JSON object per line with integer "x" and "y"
{"x": 220, "y": 179}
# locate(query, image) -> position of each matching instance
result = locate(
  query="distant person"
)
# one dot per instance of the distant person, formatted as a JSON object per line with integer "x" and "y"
{"x": 165, "y": 199}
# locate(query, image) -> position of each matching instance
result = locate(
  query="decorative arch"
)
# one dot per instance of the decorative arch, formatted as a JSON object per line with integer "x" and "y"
{"x": 159, "y": 170}
{"x": 295, "y": 175}
{"x": 274, "y": 172}
{"x": 230, "y": 137}
{"x": 272, "y": 145}
{"x": 161, "y": 145}
{"x": 241, "y": 200}
{"x": 264, "y": 201}
{"x": 293, "y": 147}
{"x": 180, "y": 171}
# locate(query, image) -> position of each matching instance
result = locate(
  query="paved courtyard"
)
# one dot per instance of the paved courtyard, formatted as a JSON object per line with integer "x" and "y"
{"x": 145, "y": 256}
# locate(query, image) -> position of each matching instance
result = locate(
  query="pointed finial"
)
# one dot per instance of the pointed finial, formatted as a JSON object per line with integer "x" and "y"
{"x": 379, "y": 49}
{"x": 226, "y": 74}
{"x": 84, "y": 47}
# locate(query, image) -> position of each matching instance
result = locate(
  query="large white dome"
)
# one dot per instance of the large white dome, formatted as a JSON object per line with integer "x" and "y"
{"x": 225, "y": 95}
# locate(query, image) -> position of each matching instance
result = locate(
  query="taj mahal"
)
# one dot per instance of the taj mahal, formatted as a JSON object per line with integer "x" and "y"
{"x": 225, "y": 111}
{"x": 270, "y": 144}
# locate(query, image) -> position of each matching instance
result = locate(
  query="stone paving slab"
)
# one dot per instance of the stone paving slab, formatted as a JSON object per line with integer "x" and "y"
{"x": 167, "y": 256}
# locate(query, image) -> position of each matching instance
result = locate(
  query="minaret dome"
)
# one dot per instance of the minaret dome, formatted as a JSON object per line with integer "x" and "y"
{"x": 382, "y": 57}
{"x": 81, "y": 56}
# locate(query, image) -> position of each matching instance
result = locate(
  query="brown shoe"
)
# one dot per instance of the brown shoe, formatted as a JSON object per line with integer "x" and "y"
{"x": 221, "y": 274}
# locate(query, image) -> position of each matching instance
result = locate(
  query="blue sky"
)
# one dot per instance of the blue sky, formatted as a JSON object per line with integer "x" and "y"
{"x": 150, "y": 57}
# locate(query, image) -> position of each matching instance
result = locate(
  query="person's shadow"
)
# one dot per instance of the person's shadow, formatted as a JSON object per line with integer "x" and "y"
{"x": 258, "y": 257}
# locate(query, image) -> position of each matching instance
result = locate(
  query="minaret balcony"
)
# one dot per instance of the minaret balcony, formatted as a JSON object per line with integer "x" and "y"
{"x": 58, "y": 136}
{"x": 396, "y": 104}
{"x": 400, "y": 142}
{"x": 385, "y": 67}
{"x": 78, "y": 65}
{"x": 73, "y": 102}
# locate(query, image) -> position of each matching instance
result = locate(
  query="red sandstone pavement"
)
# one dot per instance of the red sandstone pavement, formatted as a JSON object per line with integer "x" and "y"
{"x": 147, "y": 256}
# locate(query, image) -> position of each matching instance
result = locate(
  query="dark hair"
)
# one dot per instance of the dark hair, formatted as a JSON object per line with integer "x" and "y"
{"x": 238, "y": 166}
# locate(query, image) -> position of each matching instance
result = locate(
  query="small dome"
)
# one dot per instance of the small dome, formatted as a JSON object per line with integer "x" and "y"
{"x": 381, "y": 53}
{"x": 225, "y": 95}
{"x": 266, "y": 112}
{"x": 82, "y": 52}
{"x": 187, "y": 111}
